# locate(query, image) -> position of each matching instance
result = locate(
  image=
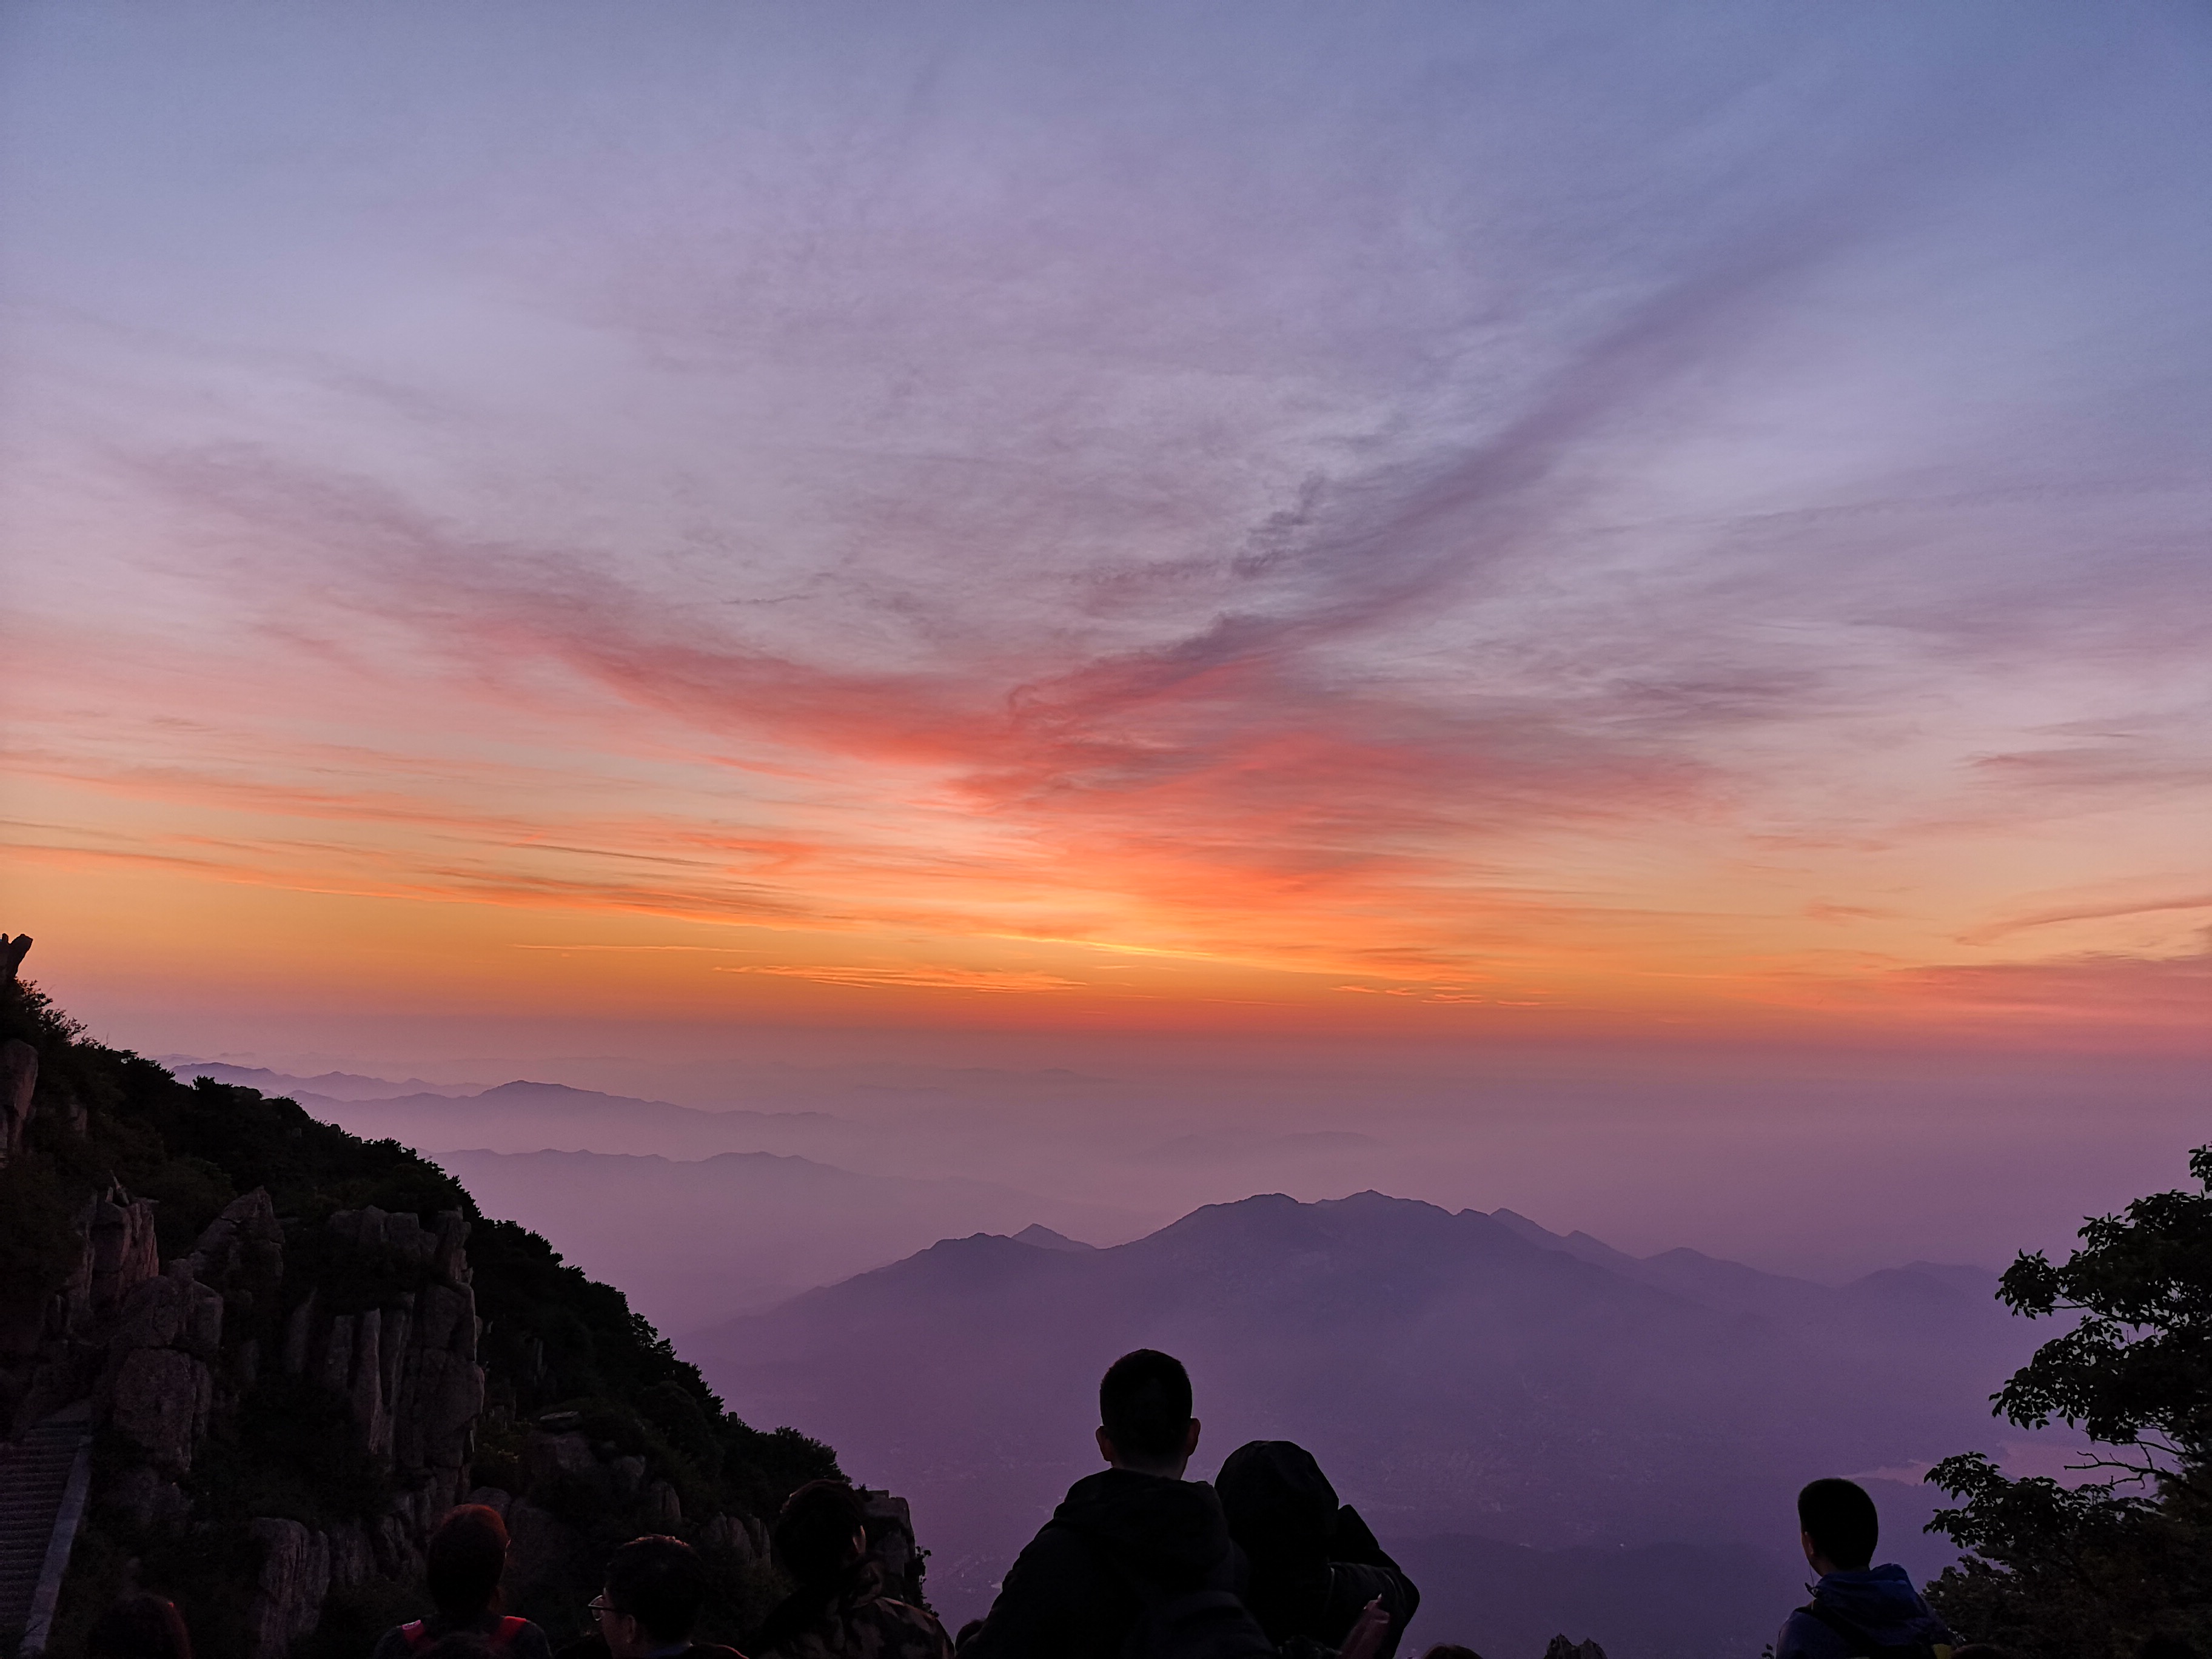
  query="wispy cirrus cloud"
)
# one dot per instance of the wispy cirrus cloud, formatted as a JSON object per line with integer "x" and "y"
{"x": 1338, "y": 533}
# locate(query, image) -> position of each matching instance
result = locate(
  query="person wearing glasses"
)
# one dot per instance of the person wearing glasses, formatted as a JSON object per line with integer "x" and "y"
{"x": 655, "y": 1586}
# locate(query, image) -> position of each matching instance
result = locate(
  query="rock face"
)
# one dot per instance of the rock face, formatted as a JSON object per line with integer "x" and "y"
{"x": 380, "y": 1314}
{"x": 404, "y": 1365}
{"x": 19, "y": 1078}
{"x": 159, "y": 1399}
{"x": 19, "y": 1064}
{"x": 295, "y": 1577}
{"x": 169, "y": 1354}
{"x": 158, "y": 1390}
{"x": 54, "y": 1353}
{"x": 891, "y": 1542}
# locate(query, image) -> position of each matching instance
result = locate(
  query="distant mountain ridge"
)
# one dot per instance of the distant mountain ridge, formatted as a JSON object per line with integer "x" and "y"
{"x": 1457, "y": 1373}
{"x": 522, "y": 1115}
{"x": 697, "y": 1214}
{"x": 345, "y": 1088}
{"x": 332, "y": 1085}
{"x": 1732, "y": 1286}
{"x": 694, "y": 1240}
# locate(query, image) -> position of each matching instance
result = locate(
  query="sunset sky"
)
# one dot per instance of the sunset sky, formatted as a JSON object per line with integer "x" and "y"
{"x": 1446, "y": 522}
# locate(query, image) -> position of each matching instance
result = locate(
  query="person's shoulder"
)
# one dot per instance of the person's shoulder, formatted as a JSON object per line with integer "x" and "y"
{"x": 530, "y": 1641}
{"x": 711, "y": 1650}
{"x": 1803, "y": 1635}
{"x": 392, "y": 1644}
{"x": 1058, "y": 1540}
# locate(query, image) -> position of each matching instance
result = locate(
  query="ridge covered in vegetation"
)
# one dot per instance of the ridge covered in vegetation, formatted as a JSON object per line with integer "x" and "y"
{"x": 563, "y": 1357}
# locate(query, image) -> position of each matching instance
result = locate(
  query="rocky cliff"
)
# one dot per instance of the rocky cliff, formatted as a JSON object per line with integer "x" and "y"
{"x": 300, "y": 1348}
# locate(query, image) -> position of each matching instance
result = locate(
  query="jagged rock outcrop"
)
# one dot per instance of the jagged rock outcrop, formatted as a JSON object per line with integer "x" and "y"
{"x": 121, "y": 1252}
{"x": 731, "y": 1536}
{"x": 295, "y": 1577}
{"x": 407, "y": 1368}
{"x": 18, "y": 1081}
{"x": 891, "y": 1542}
{"x": 158, "y": 1389}
{"x": 54, "y": 1352}
{"x": 382, "y": 1316}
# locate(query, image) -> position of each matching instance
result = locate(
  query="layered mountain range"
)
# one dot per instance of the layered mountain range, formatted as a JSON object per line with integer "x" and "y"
{"x": 697, "y": 1214}
{"x": 1558, "y": 1435}
{"x": 1474, "y": 1382}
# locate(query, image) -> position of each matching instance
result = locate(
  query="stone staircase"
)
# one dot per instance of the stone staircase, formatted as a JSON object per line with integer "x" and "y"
{"x": 42, "y": 1490}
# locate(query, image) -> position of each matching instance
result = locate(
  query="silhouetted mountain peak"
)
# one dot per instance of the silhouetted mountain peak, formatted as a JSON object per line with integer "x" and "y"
{"x": 953, "y": 1272}
{"x": 1370, "y": 1226}
{"x": 1534, "y": 1232}
{"x": 1042, "y": 1237}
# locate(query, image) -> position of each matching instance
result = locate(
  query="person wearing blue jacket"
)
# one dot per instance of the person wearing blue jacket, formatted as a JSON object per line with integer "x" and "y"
{"x": 1856, "y": 1609}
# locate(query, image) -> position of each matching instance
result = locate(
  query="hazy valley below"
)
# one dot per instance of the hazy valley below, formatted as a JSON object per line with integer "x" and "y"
{"x": 738, "y": 1231}
{"x": 1554, "y": 1433}
{"x": 1478, "y": 1386}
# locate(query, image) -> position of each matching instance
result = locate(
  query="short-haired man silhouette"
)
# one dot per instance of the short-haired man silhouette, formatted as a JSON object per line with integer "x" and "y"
{"x": 1856, "y": 1607}
{"x": 1134, "y": 1540}
{"x": 1137, "y": 1528}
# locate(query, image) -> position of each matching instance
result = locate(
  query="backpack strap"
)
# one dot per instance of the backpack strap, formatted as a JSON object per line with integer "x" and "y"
{"x": 414, "y": 1635}
{"x": 509, "y": 1628}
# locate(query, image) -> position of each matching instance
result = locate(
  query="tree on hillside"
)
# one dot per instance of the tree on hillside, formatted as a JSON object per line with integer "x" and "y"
{"x": 2100, "y": 1569}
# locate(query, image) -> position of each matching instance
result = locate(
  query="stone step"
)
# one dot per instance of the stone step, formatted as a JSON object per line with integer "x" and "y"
{"x": 35, "y": 1473}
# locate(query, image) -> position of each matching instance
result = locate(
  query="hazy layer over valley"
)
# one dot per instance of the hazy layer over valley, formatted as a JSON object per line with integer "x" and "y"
{"x": 1875, "y": 1160}
{"x": 1467, "y": 1380}
{"x": 1547, "y": 1427}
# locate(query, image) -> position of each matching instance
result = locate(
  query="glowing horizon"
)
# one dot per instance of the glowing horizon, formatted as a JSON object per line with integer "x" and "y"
{"x": 1517, "y": 526}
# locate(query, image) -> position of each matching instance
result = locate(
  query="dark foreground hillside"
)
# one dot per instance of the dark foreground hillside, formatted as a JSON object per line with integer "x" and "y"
{"x": 295, "y": 1348}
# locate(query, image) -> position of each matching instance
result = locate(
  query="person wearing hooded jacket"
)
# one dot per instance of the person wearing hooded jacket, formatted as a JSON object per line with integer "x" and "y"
{"x": 1313, "y": 1564}
{"x": 1854, "y": 1606}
